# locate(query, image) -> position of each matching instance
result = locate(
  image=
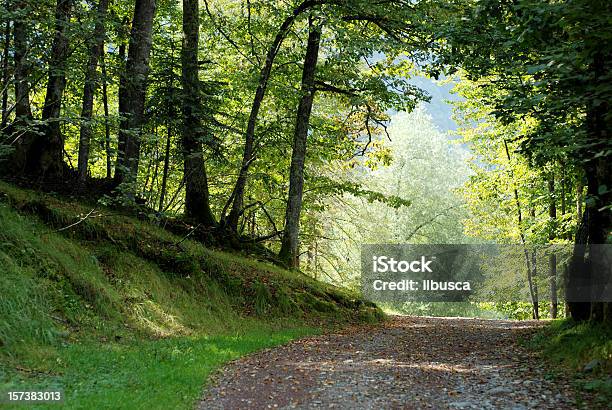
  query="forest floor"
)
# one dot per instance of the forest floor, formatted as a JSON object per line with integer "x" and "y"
{"x": 406, "y": 362}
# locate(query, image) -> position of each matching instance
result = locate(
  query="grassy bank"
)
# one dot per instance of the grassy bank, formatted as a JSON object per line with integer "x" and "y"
{"x": 582, "y": 349}
{"x": 167, "y": 373}
{"x": 120, "y": 313}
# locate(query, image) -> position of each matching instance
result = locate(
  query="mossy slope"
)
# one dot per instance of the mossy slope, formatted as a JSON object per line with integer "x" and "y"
{"x": 67, "y": 277}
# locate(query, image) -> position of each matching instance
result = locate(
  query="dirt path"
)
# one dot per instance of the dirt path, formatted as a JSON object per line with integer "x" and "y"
{"x": 407, "y": 362}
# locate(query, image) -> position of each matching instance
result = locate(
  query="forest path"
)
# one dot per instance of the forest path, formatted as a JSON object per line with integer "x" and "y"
{"x": 406, "y": 362}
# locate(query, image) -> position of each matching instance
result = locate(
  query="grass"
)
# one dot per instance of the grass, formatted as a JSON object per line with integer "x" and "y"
{"x": 153, "y": 374}
{"x": 571, "y": 346}
{"x": 118, "y": 316}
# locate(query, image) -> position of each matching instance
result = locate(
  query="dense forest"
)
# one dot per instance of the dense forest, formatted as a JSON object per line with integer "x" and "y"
{"x": 199, "y": 187}
{"x": 266, "y": 125}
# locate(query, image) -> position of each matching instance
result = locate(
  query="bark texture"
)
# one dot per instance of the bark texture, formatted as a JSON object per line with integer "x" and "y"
{"x": 133, "y": 92}
{"x": 237, "y": 196}
{"x": 5, "y": 70}
{"x": 290, "y": 241}
{"x": 20, "y": 45}
{"x": 20, "y": 136}
{"x": 46, "y": 154}
{"x": 197, "y": 205}
{"x": 596, "y": 225}
{"x": 89, "y": 89}
{"x": 552, "y": 258}
{"x": 107, "y": 138}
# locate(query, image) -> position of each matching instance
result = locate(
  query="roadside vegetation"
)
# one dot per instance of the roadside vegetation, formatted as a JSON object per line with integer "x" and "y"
{"x": 582, "y": 349}
{"x": 121, "y": 313}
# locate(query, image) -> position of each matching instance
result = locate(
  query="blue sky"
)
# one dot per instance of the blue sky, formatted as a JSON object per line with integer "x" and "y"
{"x": 439, "y": 109}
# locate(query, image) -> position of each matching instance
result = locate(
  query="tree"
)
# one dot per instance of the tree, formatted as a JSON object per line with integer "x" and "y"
{"x": 97, "y": 48}
{"x": 417, "y": 202}
{"x": 197, "y": 203}
{"x": 385, "y": 22}
{"x": 237, "y": 196}
{"x": 289, "y": 246}
{"x": 46, "y": 153}
{"x": 552, "y": 261}
{"x": 133, "y": 94}
{"x": 20, "y": 39}
{"x": 542, "y": 74}
{"x": 4, "y": 85}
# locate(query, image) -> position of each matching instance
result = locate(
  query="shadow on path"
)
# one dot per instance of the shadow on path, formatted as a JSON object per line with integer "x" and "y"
{"x": 406, "y": 362}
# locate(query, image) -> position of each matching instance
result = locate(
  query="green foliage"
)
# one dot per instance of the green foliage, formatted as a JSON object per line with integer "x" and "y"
{"x": 527, "y": 61}
{"x": 524, "y": 310}
{"x": 357, "y": 190}
{"x": 364, "y": 74}
{"x": 447, "y": 309}
{"x": 573, "y": 346}
{"x": 101, "y": 305}
{"x": 411, "y": 200}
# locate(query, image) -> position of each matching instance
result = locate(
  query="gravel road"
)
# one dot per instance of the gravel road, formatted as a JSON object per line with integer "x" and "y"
{"x": 404, "y": 363}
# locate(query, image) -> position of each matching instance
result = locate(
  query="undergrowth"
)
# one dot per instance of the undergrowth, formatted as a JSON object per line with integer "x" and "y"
{"x": 91, "y": 295}
{"x": 582, "y": 349}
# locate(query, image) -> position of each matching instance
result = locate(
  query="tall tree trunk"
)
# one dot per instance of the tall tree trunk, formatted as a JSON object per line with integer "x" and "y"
{"x": 20, "y": 134}
{"x": 171, "y": 114}
{"x": 579, "y": 199}
{"x": 519, "y": 217}
{"x": 151, "y": 156}
{"x": 197, "y": 203}
{"x": 20, "y": 40}
{"x": 5, "y": 69}
{"x": 46, "y": 155}
{"x": 596, "y": 226}
{"x": 237, "y": 197}
{"x": 290, "y": 240}
{"x": 164, "y": 183}
{"x": 89, "y": 89}
{"x": 552, "y": 258}
{"x": 535, "y": 298}
{"x": 151, "y": 197}
{"x": 133, "y": 93}
{"x": 120, "y": 161}
{"x": 107, "y": 137}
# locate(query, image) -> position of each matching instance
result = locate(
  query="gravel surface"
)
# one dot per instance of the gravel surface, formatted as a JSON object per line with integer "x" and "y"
{"x": 406, "y": 362}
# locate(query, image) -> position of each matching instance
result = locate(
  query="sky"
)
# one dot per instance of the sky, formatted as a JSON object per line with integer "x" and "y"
{"x": 439, "y": 108}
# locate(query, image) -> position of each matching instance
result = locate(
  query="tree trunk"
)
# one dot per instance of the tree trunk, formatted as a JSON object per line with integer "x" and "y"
{"x": 151, "y": 156}
{"x": 120, "y": 161}
{"x": 151, "y": 198}
{"x": 237, "y": 195}
{"x": 528, "y": 260}
{"x": 579, "y": 199}
{"x": 133, "y": 93}
{"x": 107, "y": 137}
{"x": 22, "y": 86}
{"x": 552, "y": 258}
{"x": 89, "y": 90}
{"x": 46, "y": 155}
{"x": 5, "y": 70}
{"x": 20, "y": 135}
{"x": 164, "y": 184}
{"x": 197, "y": 205}
{"x": 596, "y": 225}
{"x": 532, "y": 276}
{"x": 289, "y": 247}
